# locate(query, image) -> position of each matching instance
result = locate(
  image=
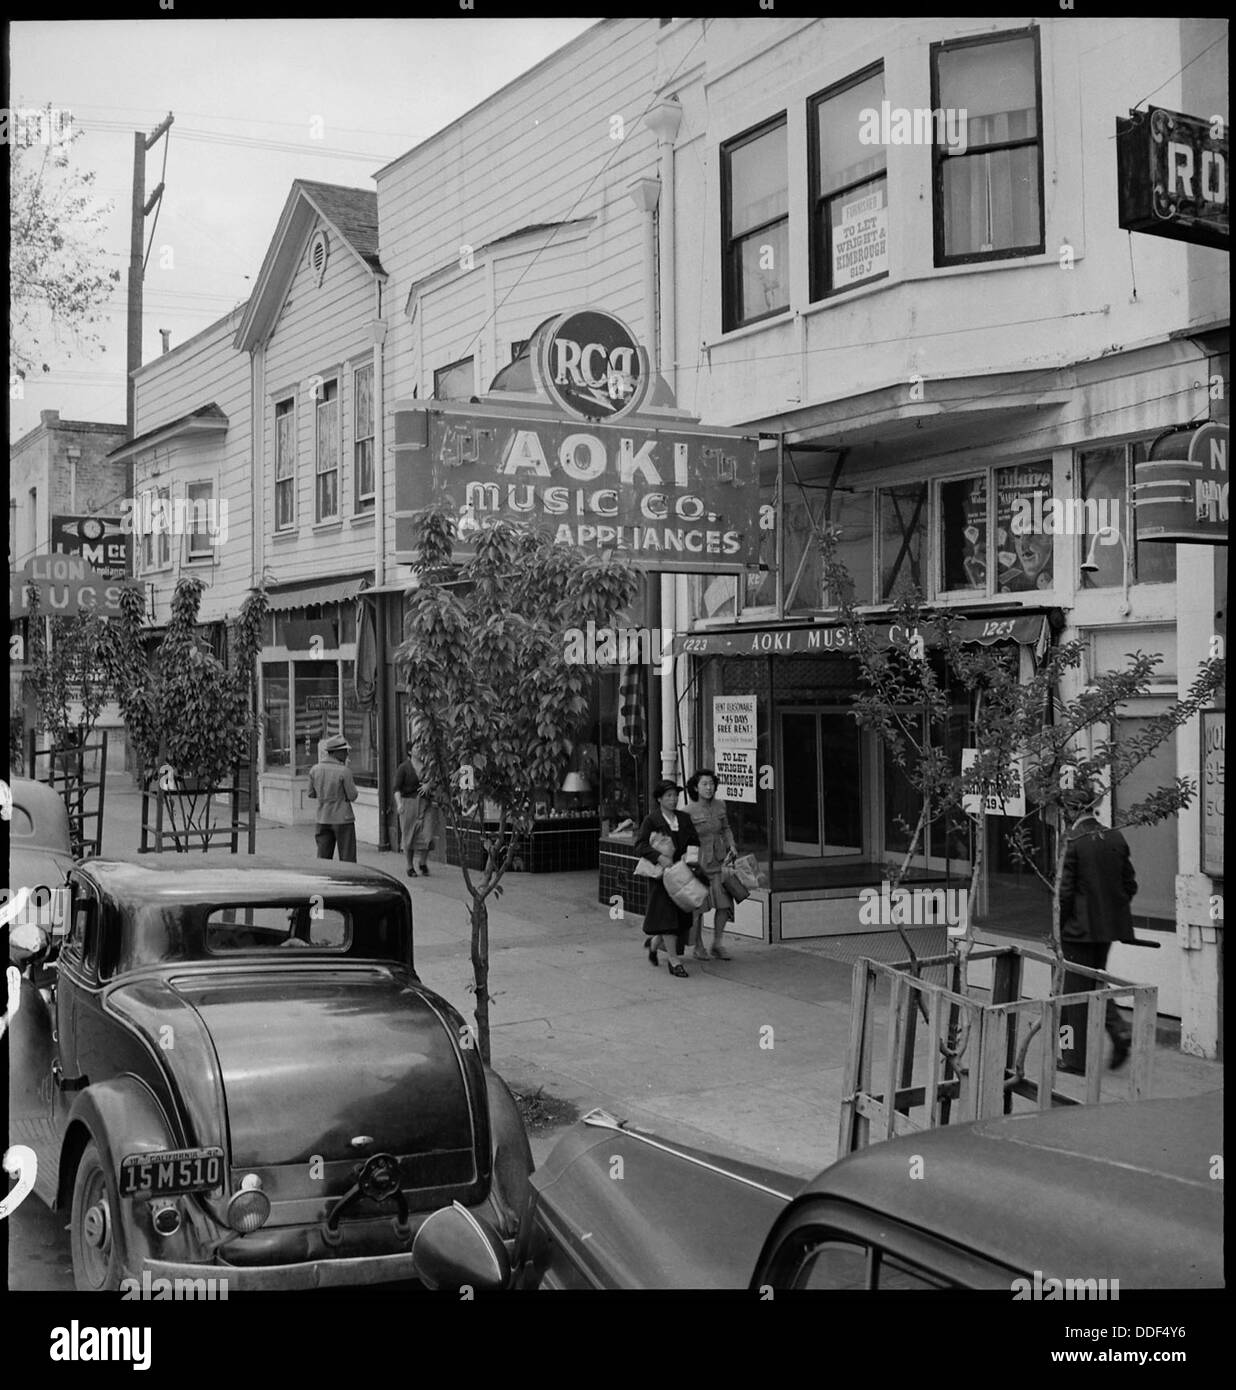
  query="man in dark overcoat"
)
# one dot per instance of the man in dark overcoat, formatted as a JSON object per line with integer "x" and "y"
{"x": 1097, "y": 885}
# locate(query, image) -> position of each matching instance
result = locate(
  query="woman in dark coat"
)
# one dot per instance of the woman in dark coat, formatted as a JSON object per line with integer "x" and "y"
{"x": 664, "y": 918}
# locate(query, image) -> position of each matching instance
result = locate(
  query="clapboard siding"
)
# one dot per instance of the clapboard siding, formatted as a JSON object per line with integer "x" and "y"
{"x": 206, "y": 368}
{"x": 322, "y": 331}
{"x": 539, "y": 151}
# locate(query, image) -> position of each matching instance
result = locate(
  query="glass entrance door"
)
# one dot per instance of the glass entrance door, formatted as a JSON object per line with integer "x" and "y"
{"x": 821, "y": 784}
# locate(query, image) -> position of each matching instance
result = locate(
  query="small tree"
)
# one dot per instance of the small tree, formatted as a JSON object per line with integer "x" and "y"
{"x": 190, "y": 717}
{"x": 73, "y": 678}
{"x": 495, "y": 700}
{"x": 1015, "y": 720}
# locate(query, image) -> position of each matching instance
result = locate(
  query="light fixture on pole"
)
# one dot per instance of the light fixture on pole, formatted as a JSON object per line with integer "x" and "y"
{"x": 1090, "y": 565}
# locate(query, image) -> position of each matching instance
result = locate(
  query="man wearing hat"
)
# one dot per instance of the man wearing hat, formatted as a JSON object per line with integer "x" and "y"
{"x": 331, "y": 784}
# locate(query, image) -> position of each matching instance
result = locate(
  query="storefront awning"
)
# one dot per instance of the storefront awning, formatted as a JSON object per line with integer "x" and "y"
{"x": 282, "y": 598}
{"x": 1029, "y": 629}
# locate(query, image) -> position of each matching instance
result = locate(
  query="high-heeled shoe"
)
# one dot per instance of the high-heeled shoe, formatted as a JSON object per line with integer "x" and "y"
{"x": 652, "y": 953}
{"x": 677, "y": 970}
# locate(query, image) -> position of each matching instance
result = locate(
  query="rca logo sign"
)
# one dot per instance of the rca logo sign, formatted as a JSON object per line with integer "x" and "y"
{"x": 589, "y": 363}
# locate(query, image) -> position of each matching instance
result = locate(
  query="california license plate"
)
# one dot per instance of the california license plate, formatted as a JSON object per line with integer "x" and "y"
{"x": 180, "y": 1170}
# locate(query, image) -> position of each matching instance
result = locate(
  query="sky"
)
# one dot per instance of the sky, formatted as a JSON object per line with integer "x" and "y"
{"x": 257, "y": 103}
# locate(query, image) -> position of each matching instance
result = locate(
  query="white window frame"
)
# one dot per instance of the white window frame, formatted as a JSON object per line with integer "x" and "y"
{"x": 322, "y": 402}
{"x": 290, "y": 478}
{"x": 364, "y": 501}
{"x": 204, "y": 550}
{"x": 146, "y": 510}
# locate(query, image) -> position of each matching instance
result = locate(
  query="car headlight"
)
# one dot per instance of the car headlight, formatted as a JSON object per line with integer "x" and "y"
{"x": 249, "y": 1207}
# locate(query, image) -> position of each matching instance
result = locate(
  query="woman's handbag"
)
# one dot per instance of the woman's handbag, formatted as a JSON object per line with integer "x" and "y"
{"x": 734, "y": 886}
{"x": 684, "y": 888}
{"x": 747, "y": 871}
{"x": 644, "y": 868}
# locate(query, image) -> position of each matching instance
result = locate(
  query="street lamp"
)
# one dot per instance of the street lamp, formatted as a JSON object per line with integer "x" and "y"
{"x": 1090, "y": 566}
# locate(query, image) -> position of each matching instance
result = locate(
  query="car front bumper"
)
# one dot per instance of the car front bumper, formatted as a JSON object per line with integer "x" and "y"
{"x": 344, "y": 1272}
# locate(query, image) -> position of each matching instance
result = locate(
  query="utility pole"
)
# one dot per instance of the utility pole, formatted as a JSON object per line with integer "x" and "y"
{"x": 137, "y": 269}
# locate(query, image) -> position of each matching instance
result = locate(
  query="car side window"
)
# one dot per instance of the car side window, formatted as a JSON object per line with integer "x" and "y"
{"x": 843, "y": 1264}
{"x": 832, "y": 1264}
{"x": 74, "y": 951}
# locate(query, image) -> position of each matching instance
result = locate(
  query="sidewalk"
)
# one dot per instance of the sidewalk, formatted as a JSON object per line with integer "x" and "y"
{"x": 745, "y": 1057}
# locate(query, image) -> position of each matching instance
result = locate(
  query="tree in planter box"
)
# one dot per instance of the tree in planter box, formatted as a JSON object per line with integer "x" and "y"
{"x": 495, "y": 698}
{"x": 190, "y": 717}
{"x": 1062, "y": 744}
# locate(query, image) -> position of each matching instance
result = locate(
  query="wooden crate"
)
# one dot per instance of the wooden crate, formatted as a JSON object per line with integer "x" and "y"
{"x": 970, "y": 1057}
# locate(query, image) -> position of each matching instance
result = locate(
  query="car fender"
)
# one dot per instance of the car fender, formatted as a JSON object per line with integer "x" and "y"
{"x": 510, "y": 1195}
{"x": 123, "y": 1117}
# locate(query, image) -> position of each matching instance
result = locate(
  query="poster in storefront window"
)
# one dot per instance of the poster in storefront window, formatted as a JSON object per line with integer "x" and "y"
{"x": 860, "y": 235}
{"x": 736, "y": 774}
{"x": 1213, "y": 738}
{"x": 1023, "y": 554}
{"x": 733, "y": 722}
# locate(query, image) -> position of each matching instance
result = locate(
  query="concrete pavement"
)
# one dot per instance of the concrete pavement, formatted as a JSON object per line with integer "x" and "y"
{"x": 744, "y": 1057}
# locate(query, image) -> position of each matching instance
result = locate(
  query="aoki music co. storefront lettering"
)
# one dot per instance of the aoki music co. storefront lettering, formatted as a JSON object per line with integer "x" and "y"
{"x": 672, "y": 499}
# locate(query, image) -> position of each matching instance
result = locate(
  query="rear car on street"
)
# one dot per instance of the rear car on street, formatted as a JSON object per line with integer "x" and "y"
{"x": 1082, "y": 1201}
{"x": 234, "y": 1071}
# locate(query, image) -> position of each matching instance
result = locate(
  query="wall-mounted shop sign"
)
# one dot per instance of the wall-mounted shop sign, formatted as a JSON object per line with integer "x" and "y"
{"x": 1012, "y": 803}
{"x": 1029, "y": 629}
{"x": 1213, "y": 736}
{"x": 1171, "y": 172}
{"x": 588, "y": 362}
{"x": 670, "y": 498}
{"x": 1181, "y": 489}
{"x": 100, "y": 540}
{"x": 66, "y": 585}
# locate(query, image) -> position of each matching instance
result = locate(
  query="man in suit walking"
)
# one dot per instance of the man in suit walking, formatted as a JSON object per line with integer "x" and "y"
{"x": 1097, "y": 885}
{"x": 334, "y": 789}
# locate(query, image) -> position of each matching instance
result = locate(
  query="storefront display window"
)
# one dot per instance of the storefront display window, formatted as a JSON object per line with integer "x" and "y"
{"x": 1106, "y": 490}
{"x": 963, "y": 533}
{"x": 903, "y": 527}
{"x": 316, "y": 699}
{"x": 276, "y": 714}
{"x": 360, "y": 728}
{"x": 1023, "y": 553}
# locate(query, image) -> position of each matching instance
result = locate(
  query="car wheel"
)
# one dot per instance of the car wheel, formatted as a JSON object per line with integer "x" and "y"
{"x": 94, "y": 1230}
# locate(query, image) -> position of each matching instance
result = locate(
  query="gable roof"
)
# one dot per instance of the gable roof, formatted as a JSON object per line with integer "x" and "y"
{"x": 351, "y": 213}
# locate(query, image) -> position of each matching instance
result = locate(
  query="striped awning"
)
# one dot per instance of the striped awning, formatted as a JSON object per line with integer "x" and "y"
{"x": 282, "y": 598}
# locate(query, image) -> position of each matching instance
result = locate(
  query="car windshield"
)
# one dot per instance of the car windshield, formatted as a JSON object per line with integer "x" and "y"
{"x": 268, "y": 926}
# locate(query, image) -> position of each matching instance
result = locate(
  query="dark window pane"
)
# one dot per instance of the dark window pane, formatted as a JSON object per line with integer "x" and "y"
{"x": 276, "y": 714}
{"x": 963, "y": 528}
{"x": 759, "y": 187}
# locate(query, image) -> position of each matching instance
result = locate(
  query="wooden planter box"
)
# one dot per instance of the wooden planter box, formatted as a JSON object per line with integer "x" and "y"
{"x": 970, "y": 1058}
